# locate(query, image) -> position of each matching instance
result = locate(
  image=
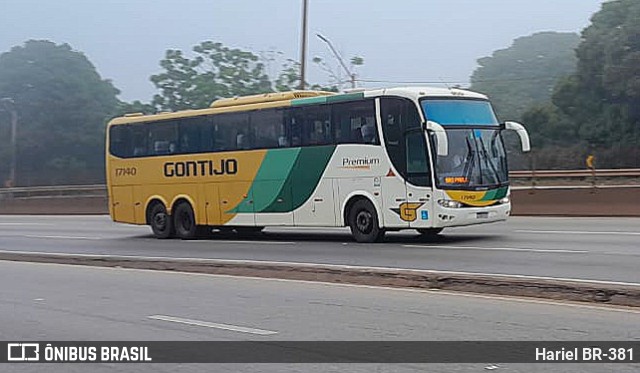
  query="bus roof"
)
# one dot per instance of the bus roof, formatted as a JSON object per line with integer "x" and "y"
{"x": 297, "y": 98}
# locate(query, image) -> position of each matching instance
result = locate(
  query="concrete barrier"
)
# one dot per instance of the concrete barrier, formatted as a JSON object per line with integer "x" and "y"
{"x": 573, "y": 201}
{"x": 59, "y": 205}
{"x": 601, "y": 292}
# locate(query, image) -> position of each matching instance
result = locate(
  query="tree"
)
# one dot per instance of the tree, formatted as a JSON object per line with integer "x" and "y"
{"x": 289, "y": 79}
{"x": 62, "y": 104}
{"x": 525, "y": 73}
{"x": 603, "y": 96}
{"x": 215, "y": 71}
{"x": 134, "y": 107}
{"x": 596, "y": 110}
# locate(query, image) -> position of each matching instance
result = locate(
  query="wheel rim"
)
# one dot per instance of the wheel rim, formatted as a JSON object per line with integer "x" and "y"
{"x": 364, "y": 221}
{"x": 160, "y": 221}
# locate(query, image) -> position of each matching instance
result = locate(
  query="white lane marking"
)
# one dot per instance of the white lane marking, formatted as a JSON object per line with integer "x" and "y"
{"x": 559, "y": 303}
{"x": 206, "y": 324}
{"x": 62, "y": 237}
{"x": 499, "y": 249}
{"x": 26, "y": 224}
{"x": 619, "y": 233}
{"x": 323, "y": 265}
{"x": 244, "y": 242}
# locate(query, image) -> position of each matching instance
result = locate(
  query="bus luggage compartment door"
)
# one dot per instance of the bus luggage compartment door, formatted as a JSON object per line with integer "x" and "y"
{"x": 122, "y": 204}
{"x": 273, "y": 203}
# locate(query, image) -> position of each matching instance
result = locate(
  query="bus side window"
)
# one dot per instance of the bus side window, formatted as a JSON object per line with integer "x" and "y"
{"x": 232, "y": 132}
{"x": 293, "y": 123}
{"x": 355, "y": 123}
{"x": 404, "y": 139}
{"x": 391, "y": 113}
{"x": 139, "y": 136}
{"x": 207, "y": 140}
{"x": 120, "y": 143}
{"x": 191, "y": 135}
{"x": 267, "y": 127}
{"x": 163, "y": 138}
{"x": 316, "y": 125}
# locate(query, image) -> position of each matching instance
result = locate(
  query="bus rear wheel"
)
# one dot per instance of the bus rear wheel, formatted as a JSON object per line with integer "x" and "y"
{"x": 160, "y": 222}
{"x": 184, "y": 221}
{"x": 363, "y": 222}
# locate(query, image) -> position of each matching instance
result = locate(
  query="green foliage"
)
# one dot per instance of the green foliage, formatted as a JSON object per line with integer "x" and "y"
{"x": 62, "y": 105}
{"x": 289, "y": 78}
{"x": 215, "y": 71}
{"x": 134, "y": 107}
{"x": 596, "y": 109}
{"x": 602, "y": 97}
{"x": 525, "y": 73}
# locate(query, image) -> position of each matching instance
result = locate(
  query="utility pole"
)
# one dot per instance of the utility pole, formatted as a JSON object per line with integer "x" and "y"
{"x": 10, "y": 106}
{"x": 303, "y": 47}
{"x": 352, "y": 76}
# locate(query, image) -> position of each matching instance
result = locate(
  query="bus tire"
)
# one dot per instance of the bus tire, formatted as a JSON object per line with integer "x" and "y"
{"x": 184, "y": 221}
{"x": 160, "y": 222}
{"x": 363, "y": 222}
{"x": 429, "y": 232}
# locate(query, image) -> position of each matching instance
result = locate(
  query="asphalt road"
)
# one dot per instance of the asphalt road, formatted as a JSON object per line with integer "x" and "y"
{"x": 584, "y": 248}
{"x": 59, "y": 302}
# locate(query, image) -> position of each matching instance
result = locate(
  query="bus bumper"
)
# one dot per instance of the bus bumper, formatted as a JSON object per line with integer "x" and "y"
{"x": 454, "y": 217}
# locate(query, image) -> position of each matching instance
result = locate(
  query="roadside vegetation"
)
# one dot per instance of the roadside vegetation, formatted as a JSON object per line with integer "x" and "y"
{"x": 577, "y": 95}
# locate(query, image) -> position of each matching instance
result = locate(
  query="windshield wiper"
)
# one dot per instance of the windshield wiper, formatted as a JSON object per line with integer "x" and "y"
{"x": 489, "y": 162}
{"x": 468, "y": 163}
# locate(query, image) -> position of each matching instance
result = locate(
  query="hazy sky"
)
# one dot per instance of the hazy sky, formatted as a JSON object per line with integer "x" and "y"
{"x": 400, "y": 40}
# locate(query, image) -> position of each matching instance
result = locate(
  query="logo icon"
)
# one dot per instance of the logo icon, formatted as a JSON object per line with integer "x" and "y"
{"x": 23, "y": 351}
{"x": 408, "y": 210}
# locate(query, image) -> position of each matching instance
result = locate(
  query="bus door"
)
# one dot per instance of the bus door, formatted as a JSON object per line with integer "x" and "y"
{"x": 391, "y": 115}
{"x": 407, "y": 186}
{"x": 418, "y": 180}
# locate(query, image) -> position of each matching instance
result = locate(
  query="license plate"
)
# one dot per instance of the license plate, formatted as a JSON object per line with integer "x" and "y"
{"x": 482, "y": 215}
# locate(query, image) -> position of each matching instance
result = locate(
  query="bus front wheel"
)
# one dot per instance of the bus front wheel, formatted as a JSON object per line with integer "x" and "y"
{"x": 363, "y": 221}
{"x": 184, "y": 221}
{"x": 160, "y": 221}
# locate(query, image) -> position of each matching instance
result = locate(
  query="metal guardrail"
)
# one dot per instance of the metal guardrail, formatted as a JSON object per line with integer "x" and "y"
{"x": 630, "y": 172}
{"x": 100, "y": 190}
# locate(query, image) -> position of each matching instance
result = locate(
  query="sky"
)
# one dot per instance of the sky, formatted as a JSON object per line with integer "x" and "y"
{"x": 401, "y": 41}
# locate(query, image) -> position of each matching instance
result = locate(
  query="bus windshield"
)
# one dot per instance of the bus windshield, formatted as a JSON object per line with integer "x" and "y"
{"x": 461, "y": 112}
{"x": 476, "y": 157}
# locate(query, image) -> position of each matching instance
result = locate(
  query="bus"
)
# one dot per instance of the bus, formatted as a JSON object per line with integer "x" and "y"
{"x": 373, "y": 160}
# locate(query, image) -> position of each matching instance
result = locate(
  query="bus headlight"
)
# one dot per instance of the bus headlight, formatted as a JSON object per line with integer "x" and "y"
{"x": 449, "y": 203}
{"x": 504, "y": 200}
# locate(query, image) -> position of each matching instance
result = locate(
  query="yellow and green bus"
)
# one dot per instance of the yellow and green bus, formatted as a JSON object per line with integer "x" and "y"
{"x": 373, "y": 160}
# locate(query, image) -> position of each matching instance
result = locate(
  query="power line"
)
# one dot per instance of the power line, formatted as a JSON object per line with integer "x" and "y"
{"x": 458, "y": 81}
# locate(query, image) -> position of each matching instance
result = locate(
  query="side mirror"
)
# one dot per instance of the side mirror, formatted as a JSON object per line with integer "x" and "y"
{"x": 522, "y": 133}
{"x": 441, "y": 136}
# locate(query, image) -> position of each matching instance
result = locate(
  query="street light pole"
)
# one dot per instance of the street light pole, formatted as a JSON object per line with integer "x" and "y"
{"x": 352, "y": 76}
{"x": 303, "y": 46}
{"x": 10, "y": 106}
